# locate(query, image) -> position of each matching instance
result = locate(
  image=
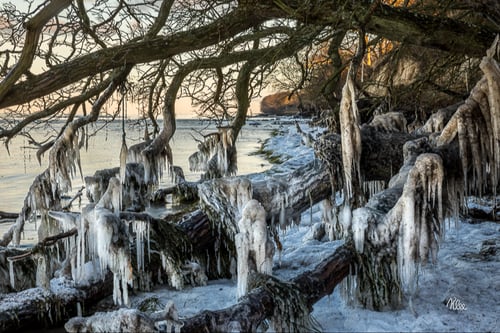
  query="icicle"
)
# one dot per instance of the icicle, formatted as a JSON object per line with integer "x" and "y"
{"x": 359, "y": 226}
{"x": 42, "y": 272}
{"x": 345, "y": 218}
{"x": 79, "y": 309}
{"x": 350, "y": 135}
{"x": 282, "y": 217}
{"x": 108, "y": 242}
{"x": 370, "y": 188}
{"x": 62, "y": 158}
{"x": 242, "y": 249}
{"x": 123, "y": 167}
{"x": 252, "y": 239}
{"x": 11, "y": 275}
{"x": 491, "y": 71}
{"x": 174, "y": 273}
{"x": 117, "y": 294}
{"x": 416, "y": 232}
{"x": 141, "y": 230}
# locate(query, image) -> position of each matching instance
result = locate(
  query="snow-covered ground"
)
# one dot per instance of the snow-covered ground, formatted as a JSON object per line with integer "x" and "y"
{"x": 460, "y": 274}
{"x": 461, "y": 293}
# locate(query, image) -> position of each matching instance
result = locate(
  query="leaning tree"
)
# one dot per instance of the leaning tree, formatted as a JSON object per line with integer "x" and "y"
{"x": 78, "y": 61}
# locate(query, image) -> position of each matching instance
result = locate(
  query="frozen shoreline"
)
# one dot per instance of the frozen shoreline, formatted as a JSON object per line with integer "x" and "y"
{"x": 470, "y": 282}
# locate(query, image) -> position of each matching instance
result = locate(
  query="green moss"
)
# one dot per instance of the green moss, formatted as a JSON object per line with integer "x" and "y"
{"x": 150, "y": 305}
{"x": 267, "y": 153}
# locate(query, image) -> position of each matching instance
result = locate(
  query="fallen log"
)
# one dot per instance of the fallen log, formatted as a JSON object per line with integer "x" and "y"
{"x": 37, "y": 308}
{"x": 245, "y": 316}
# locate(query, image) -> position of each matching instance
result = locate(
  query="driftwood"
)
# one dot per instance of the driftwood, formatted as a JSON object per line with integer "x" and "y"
{"x": 37, "y": 308}
{"x": 259, "y": 303}
{"x": 245, "y": 316}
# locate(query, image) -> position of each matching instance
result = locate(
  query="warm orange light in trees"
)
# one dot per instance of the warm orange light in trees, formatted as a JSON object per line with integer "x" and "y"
{"x": 399, "y": 3}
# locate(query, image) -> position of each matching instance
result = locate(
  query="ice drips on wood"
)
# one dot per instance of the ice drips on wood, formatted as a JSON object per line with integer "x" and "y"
{"x": 39, "y": 200}
{"x": 108, "y": 240}
{"x": 389, "y": 122}
{"x": 216, "y": 155}
{"x": 156, "y": 155}
{"x": 254, "y": 247}
{"x": 350, "y": 138}
{"x": 122, "y": 320}
{"x": 477, "y": 127}
{"x": 134, "y": 187}
{"x": 64, "y": 158}
{"x": 394, "y": 239}
{"x": 291, "y": 311}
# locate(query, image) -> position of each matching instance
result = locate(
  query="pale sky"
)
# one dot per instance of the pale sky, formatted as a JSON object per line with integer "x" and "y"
{"x": 184, "y": 109}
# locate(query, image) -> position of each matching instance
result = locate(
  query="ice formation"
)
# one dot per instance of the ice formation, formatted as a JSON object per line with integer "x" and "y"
{"x": 372, "y": 187}
{"x": 64, "y": 158}
{"x": 122, "y": 320}
{"x": 393, "y": 244}
{"x": 194, "y": 273}
{"x": 12, "y": 277}
{"x": 44, "y": 194}
{"x": 477, "y": 125}
{"x": 225, "y": 198}
{"x": 421, "y": 214}
{"x": 41, "y": 199}
{"x": 142, "y": 242}
{"x": 350, "y": 138}
{"x": 174, "y": 272}
{"x": 107, "y": 241}
{"x": 134, "y": 189}
{"x": 155, "y": 155}
{"x": 438, "y": 120}
{"x": 216, "y": 155}
{"x": 43, "y": 272}
{"x": 67, "y": 222}
{"x": 123, "y": 167}
{"x": 389, "y": 122}
{"x": 254, "y": 247}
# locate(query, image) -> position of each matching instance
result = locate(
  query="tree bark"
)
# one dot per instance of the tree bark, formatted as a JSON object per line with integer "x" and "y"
{"x": 387, "y": 21}
{"x": 252, "y": 309}
{"x": 258, "y": 304}
{"x": 36, "y": 308}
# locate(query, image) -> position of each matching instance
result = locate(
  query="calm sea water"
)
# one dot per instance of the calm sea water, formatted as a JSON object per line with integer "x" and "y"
{"x": 18, "y": 169}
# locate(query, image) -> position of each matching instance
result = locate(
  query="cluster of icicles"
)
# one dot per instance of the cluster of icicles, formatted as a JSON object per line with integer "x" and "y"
{"x": 216, "y": 155}
{"x": 416, "y": 222}
{"x": 102, "y": 242}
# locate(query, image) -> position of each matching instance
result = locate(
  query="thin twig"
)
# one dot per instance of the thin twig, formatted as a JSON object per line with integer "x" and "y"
{"x": 77, "y": 195}
{"x": 48, "y": 241}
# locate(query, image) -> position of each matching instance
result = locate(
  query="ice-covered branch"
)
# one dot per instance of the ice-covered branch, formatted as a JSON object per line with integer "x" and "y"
{"x": 254, "y": 246}
{"x": 477, "y": 126}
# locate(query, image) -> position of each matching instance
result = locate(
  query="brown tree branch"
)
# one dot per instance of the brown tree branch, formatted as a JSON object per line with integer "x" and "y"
{"x": 33, "y": 30}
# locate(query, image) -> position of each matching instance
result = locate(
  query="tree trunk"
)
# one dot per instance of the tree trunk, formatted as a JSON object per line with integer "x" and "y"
{"x": 259, "y": 303}
{"x": 37, "y": 308}
{"x": 245, "y": 316}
